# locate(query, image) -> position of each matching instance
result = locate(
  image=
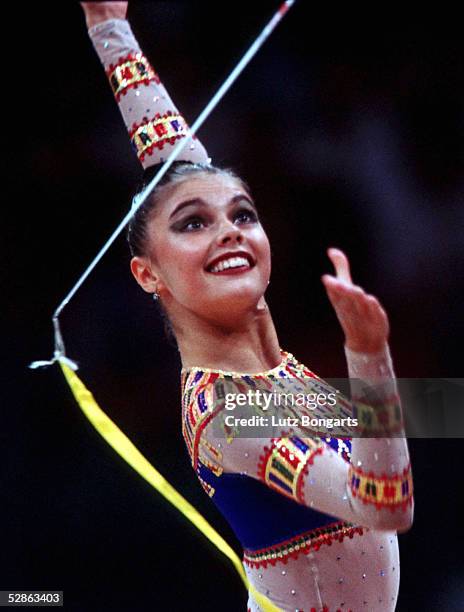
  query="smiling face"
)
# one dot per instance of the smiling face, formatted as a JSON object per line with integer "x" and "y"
{"x": 207, "y": 252}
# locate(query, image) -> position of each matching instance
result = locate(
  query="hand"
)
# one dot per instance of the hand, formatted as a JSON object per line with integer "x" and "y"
{"x": 97, "y": 12}
{"x": 361, "y": 316}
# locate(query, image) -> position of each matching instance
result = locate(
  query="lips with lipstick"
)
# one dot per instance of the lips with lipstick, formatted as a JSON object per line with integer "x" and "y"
{"x": 231, "y": 262}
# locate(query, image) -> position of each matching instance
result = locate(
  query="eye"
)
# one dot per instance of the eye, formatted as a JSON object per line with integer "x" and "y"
{"x": 245, "y": 215}
{"x": 191, "y": 224}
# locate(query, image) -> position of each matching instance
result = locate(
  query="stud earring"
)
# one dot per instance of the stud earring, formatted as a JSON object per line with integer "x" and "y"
{"x": 156, "y": 296}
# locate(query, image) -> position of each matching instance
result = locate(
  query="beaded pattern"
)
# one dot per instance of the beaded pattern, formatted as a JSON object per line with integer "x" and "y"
{"x": 381, "y": 419}
{"x": 302, "y": 543}
{"x": 156, "y": 132}
{"x": 385, "y": 491}
{"x": 197, "y": 392}
{"x": 280, "y": 370}
{"x": 210, "y": 490}
{"x": 197, "y": 389}
{"x": 283, "y": 464}
{"x": 213, "y": 466}
{"x": 198, "y": 385}
{"x": 130, "y": 72}
{"x": 313, "y": 609}
{"x": 342, "y": 446}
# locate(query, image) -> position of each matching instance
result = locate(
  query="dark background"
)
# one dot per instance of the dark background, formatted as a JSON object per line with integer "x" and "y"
{"x": 348, "y": 126}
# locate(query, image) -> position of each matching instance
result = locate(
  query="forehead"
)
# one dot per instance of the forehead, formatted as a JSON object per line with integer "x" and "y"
{"x": 208, "y": 187}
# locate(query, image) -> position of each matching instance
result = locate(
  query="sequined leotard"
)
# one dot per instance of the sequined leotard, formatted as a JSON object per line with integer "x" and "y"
{"x": 317, "y": 517}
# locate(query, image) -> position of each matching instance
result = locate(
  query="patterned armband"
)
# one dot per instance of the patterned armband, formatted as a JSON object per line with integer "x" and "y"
{"x": 282, "y": 465}
{"x": 130, "y": 72}
{"x": 377, "y": 418}
{"x": 156, "y": 132}
{"x": 385, "y": 491}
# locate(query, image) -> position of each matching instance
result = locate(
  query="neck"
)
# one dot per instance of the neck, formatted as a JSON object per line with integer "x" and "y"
{"x": 250, "y": 345}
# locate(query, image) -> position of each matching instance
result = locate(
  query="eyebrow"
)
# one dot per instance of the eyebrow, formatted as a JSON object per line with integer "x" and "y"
{"x": 201, "y": 202}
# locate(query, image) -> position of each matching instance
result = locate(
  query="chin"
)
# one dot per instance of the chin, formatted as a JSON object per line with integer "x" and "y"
{"x": 230, "y": 306}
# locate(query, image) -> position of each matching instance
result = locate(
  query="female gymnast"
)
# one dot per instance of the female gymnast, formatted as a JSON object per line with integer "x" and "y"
{"x": 317, "y": 515}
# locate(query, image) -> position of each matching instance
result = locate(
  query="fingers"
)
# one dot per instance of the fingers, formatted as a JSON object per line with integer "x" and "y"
{"x": 337, "y": 286}
{"x": 344, "y": 295}
{"x": 341, "y": 264}
{"x": 362, "y": 318}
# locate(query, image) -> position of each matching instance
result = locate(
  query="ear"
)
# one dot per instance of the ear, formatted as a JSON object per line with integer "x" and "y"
{"x": 144, "y": 274}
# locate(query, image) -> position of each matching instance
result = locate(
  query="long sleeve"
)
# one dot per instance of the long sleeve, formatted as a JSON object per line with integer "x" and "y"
{"x": 380, "y": 475}
{"x": 373, "y": 490}
{"x": 152, "y": 120}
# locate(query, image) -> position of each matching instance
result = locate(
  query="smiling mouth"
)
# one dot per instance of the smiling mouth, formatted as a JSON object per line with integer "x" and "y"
{"x": 232, "y": 265}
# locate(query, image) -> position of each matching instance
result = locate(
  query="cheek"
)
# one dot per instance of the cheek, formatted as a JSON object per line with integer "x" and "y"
{"x": 263, "y": 250}
{"x": 179, "y": 262}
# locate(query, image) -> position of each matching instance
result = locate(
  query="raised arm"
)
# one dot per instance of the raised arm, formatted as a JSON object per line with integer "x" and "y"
{"x": 381, "y": 468}
{"x": 152, "y": 120}
{"x": 375, "y": 488}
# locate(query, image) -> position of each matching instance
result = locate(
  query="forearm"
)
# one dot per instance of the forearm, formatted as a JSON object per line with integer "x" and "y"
{"x": 379, "y": 480}
{"x": 112, "y": 40}
{"x": 150, "y": 115}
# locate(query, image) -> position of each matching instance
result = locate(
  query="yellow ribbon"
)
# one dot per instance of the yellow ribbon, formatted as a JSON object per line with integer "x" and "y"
{"x": 124, "y": 447}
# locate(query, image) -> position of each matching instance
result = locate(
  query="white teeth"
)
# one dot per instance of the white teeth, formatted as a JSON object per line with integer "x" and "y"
{"x": 233, "y": 262}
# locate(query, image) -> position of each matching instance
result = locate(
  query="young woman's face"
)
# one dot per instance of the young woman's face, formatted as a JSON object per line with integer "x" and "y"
{"x": 207, "y": 248}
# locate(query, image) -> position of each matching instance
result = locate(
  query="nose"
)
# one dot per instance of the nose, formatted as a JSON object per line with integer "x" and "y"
{"x": 229, "y": 233}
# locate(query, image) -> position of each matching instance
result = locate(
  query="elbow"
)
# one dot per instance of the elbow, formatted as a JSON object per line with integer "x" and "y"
{"x": 400, "y": 524}
{"x": 400, "y": 520}
{"x": 406, "y": 524}
{"x": 404, "y": 529}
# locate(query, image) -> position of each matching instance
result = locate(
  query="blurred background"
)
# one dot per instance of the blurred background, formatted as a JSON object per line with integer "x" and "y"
{"x": 348, "y": 126}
